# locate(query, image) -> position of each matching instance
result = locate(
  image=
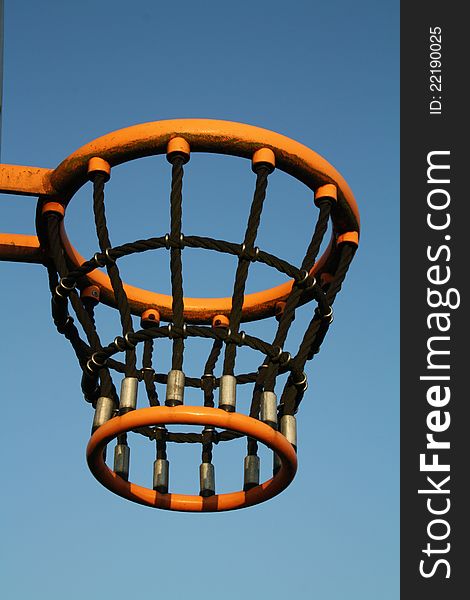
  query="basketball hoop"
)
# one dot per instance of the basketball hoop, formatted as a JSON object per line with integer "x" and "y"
{"x": 82, "y": 283}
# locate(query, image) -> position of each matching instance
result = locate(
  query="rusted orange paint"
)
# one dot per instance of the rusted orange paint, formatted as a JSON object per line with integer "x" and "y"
{"x": 20, "y": 248}
{"x": 192, "y": 415}
{"x": 25, "y": 181}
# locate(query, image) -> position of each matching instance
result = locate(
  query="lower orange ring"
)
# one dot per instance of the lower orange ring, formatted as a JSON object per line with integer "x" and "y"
{"x": 191, "y": 415}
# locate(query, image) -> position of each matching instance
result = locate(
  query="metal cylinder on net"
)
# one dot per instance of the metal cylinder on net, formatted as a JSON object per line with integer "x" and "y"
{"x": 128, "y": 396}
{"x": 228, "y": 393}
{"x": 103, "y": 412}
{"x": 122, "y": 454}
{"x": 175, "y": 388}
{"x": 161, "y": 468}
{"x": 268, "y": 409}
{"x": 206, "y": 479}
{"x": 251, "y": 472}
{"x": 289, "y": 429}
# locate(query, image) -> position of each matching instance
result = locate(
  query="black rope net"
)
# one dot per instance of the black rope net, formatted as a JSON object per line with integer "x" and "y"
{"x": 70, "y": 288}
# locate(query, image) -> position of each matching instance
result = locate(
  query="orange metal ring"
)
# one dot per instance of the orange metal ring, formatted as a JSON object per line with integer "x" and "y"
{"x": 204, "y": 135}
{"x": 201, "y": 135}
{"x": 191, "y": 415}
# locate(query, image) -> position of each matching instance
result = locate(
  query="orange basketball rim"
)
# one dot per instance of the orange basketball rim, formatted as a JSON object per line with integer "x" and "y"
{"x": 202, "y": 135}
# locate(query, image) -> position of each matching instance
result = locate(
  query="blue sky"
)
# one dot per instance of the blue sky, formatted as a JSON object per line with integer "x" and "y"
{"x": 325, "y": 74}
